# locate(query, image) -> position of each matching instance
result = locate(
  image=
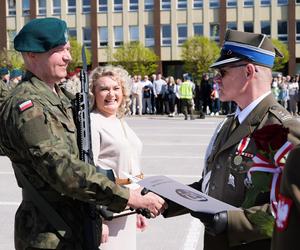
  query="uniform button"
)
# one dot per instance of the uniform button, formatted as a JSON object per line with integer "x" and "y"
{"x": 213, "y": 187}
{"x": 218, "y": 166}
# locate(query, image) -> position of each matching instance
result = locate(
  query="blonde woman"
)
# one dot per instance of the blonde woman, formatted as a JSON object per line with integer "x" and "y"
{"x": 116, "y": 148}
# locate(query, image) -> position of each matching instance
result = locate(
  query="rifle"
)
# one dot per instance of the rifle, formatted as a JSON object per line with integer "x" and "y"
{"x": 92, "y": 230}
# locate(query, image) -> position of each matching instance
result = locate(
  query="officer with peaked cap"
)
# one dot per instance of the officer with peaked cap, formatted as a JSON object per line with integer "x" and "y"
{"x": 244, "y": 76}
{"x": 39, "y": 136}
{"x": 4, "y": 78}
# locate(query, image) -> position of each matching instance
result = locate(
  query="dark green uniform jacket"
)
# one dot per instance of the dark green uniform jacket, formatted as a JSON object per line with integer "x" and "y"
{"x": 3, "y": 91}
{"x": 39, "y": 136}
{"x": 226, "y": 181}
{"x": 287, "y": 228}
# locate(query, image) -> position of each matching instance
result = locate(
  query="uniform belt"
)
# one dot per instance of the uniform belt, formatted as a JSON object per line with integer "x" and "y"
{"x": 127, "y": 181}
{"x": 48, "y": 195}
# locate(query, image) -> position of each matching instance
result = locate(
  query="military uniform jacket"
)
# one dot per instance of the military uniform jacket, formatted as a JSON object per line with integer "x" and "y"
{"x": 39, "y": 136}
{"x": 3, "y": 91}
{"x": 287, "y": 228}
{"x": 224, "y": 180}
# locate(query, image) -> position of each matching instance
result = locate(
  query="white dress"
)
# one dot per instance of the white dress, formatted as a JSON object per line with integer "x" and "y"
{"x": 115, "y": 146}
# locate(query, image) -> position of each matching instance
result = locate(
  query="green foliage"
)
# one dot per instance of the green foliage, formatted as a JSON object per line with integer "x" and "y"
{"x": 136, "y": 59}
{"x": 198, "y": 53}
{"x": 280, "y": 62}
{"x": 76, "y": 55}
{"x": 11, "y": 59}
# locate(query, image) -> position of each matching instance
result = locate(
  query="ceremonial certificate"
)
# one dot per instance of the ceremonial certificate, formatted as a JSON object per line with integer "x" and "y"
{"x": 184, "y": 195}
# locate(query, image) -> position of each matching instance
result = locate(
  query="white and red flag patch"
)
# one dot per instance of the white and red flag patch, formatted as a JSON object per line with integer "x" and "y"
{"x": 25, "y": 105}
{"x": 283, "y": 212}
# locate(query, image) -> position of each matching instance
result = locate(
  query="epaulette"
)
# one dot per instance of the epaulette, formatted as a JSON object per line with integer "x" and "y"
{"x": 231, "y": 114}
{"x": 281, "y": 113}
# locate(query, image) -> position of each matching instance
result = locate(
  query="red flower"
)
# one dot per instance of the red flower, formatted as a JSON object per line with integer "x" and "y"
{"x": 270, "y": 137}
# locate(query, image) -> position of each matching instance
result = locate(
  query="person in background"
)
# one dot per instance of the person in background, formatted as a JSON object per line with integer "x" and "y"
{"x": 293, "y": 89}
{"x": 4, "y": 81}
{"x": 72, "y": 83}
{"x": 38, "y": 134}
{"x": 15, "y": 78}
{"x": 157, "y": 91}
{"x": 244, "y": 76}
{"x": 147, "y": 95}
{"x": 136, "y": 95}
{"x": 116, "y": 148}
{"x": 186, "y": 91}
{"x": 215, "y": 99}
{"x": 199, "y": 96}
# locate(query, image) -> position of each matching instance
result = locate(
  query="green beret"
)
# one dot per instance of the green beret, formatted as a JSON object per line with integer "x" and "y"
{"x": 15, "y": 73}
{"x": 4, "y": 71}
{"x": 41, "y": 35}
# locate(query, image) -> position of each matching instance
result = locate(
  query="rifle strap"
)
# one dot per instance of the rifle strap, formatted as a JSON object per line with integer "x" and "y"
{"x": 44, "y": 207}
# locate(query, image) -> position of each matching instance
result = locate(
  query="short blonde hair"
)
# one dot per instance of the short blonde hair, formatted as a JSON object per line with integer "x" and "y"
{"x": 118, "y": 74}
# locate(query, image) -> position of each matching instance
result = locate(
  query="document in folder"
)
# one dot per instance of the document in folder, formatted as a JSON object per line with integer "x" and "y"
{"x": 184, "y": 195}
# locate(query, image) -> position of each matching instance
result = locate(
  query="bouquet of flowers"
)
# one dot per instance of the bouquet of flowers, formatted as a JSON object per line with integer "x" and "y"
{"x": 265, "y": 174}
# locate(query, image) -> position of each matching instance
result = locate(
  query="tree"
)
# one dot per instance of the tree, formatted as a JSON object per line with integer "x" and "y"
{"x": 198, "y": 53}
{"x": 76, "y": 54}
{"x": 11, "y": 59}
{"x": 136, "y": 59}
{"x": 280, "y": 62}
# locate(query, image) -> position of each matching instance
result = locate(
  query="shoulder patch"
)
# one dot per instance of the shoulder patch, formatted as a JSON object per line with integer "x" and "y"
{"x": 25, "y": 105}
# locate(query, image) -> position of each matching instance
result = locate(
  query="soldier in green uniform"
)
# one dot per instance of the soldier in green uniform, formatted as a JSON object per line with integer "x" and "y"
{"x": 15, "y": 78}
{"x": 39, "y": 136}
{"x": 4, "y": 78}
{"x": 287, "y": 225}
{"x": 244, "y": 76}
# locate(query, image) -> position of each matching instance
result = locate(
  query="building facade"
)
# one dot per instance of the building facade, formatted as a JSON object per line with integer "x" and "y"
{"x": 163, "y": 25}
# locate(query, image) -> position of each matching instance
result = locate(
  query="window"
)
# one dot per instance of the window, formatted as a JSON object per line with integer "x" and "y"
{"x": 72, "y": 32}
{"x": 166, "y": 35}
{"x": 118, "y": 36}
{"x": 118, "y": 5}
{"x": 232, "y": 25}
{"x": 103, "y": 36}
{"x": 298, "y": 31}
{"x": 248, "y": 3}
{"x": 265, "y": 27}
{"x": 248, "y": 26}
{"x": 134, "y": 33}
{"x": 165, "y": 4}
{"x": 149, "y": 5}
{"x": 56, "y": 7}
{"x": 214, "y": 3}
{"x": 182, "y": 33}
{"x": 42, "y": 7}
{"x": 181, "y": 4}
{"x": 149, "y": 35}
{"x": 198, "y": 4}
{"x": 26, "y": 7}
{"x": 87, "y": 37}
{"x": 231, "y": 3}
{"x": 86, "y": 6}
{"x": 133, "y": 5}
{"x": 214, "y": 30}
{"x": 265, "y": 2}
{"x": 71, "y": 6}
{"x": 102, "y": 5}
{"x": 11, "y": 7}
{"x": 11, "y": 34}
{"x": 282, "y": 31}
{"x": 282, "y": 2}
{"x": 198, "y": 29}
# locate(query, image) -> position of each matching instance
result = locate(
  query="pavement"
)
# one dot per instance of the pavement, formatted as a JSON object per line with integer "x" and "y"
{"x": 172, "y": 147}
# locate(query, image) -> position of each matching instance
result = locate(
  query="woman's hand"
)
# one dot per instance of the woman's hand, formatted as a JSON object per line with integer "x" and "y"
{"x": 105, "y": 233}
{"x": 141, "y": 222}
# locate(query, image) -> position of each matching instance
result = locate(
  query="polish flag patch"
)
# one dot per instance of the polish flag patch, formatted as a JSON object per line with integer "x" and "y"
{"x": 283, "y": 212}
{"x": 25, "y": 105}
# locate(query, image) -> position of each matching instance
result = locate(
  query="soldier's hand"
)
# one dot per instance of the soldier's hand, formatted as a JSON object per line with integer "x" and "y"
{"x": 154, "y": 203}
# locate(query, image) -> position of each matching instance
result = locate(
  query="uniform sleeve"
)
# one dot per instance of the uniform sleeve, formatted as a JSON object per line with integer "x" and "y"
{"x": 53, "y": 158}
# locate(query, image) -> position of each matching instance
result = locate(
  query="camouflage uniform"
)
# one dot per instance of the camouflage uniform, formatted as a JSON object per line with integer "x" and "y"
{"x": 39, "y": 136}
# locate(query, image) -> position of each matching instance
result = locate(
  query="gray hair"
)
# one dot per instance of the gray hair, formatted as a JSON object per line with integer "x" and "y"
{"x": 118, "y": 74}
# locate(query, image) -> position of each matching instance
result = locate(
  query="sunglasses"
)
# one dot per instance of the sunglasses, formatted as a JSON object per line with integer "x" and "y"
{"x": 222, "y": 71}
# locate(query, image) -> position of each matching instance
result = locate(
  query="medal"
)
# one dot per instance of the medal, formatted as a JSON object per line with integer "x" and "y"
{"x": 237, "y": 160}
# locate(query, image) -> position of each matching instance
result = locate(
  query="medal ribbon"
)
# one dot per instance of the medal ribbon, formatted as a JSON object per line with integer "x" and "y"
{"x": 262, "y": 164}
{"x": 242, "y": 145}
